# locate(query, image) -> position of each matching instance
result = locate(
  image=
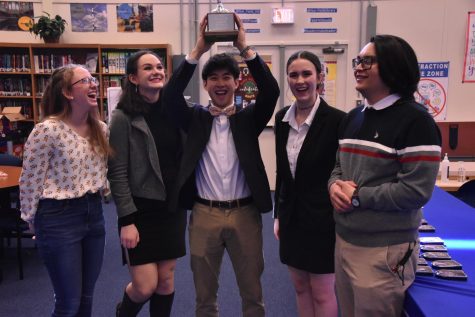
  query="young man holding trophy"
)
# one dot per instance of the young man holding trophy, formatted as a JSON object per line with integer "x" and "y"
{"x": 222, "y": 176}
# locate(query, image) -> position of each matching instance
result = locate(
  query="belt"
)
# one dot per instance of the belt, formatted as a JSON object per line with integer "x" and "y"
{"x": 227, "y": 204}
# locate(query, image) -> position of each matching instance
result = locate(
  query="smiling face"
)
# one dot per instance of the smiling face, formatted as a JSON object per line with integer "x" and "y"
{"x": 303, "y": 80}
{"x": 84, "y": 92}
{"x": 368, "y": 81}
{"x": 150, "y": 76}
{"x": 221, "y": 85}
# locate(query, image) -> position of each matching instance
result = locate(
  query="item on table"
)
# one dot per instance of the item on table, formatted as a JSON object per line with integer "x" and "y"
{"x": 447, "y": 264}
{"x": 431, "y": 240}
{"x": 424, "y": 270}
{"x": 433, "y": 248}
{"x": 452, "y": 275}
{"x": 426, "y": 228}
{"x": 422, "y": 261}
{"x": 432, "y": 256}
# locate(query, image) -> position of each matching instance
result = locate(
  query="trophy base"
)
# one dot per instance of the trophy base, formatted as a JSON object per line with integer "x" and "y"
{"x": 221, "y": 36}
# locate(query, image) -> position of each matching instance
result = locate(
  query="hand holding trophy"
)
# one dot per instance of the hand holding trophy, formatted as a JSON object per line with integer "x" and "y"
{"x": 235, "y": 33}
{"x": 221, "y": 26}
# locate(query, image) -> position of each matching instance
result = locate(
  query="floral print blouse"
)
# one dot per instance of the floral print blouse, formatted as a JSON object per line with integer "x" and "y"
{"x": 60, "y": 164}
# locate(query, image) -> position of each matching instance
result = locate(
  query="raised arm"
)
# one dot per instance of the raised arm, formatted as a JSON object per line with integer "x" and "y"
{"x": 268, "y": 88}
{"x": 173, "y": 100}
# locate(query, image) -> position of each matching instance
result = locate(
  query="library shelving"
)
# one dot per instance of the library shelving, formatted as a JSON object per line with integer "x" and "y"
{"x": 113, "y": 60}
{"x": 26, "y": 67}
{"x": 16, "y": 95}
{"x": 16, "y": 78}
{"x": 46, "y": 57}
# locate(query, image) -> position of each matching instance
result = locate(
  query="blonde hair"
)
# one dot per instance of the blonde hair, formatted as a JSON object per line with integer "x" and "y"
{"x": 57, "y": 107}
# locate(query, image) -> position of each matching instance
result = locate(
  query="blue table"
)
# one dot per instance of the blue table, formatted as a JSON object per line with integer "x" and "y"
{"x": 455, "y": 223}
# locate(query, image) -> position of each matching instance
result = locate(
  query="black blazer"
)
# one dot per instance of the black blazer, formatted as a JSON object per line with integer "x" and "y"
{"x": 306, "y": 198}
{"x": 246, "y": 126}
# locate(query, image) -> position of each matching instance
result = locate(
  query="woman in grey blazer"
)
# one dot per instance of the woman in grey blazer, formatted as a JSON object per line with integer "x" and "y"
{"x": 142, "y": 175}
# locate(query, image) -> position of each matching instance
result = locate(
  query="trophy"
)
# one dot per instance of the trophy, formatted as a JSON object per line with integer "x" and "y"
{"x": 221, "y": 26}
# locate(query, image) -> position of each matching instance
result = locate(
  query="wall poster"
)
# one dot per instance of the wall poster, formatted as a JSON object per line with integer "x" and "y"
{"x": 247, "y": 90}
{"x": 469, "y": 63}
{"x": 87, "y": 17}
{"x": 328, "y": 91}
{"x": 432, "y": 88}
{"x": 15, "y": 15}
{"x": 134, "y": 17}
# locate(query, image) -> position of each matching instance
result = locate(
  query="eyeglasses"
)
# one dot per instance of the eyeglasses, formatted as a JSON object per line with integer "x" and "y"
{"x": 365, "y": 61}
{"x": 87, "y": 80}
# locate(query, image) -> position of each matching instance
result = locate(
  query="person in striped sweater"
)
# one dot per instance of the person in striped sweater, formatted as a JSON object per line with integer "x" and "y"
{"x": 386, "y": 167}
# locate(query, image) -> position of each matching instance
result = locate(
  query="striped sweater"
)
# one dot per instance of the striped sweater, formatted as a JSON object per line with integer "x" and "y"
{"x": 393, "y": 156}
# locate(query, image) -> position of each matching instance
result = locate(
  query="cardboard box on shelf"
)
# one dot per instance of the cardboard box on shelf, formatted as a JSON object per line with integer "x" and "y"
{"x": 9, "y": 116}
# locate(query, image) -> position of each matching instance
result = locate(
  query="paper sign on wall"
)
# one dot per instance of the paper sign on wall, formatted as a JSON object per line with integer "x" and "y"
{"x": 432, "y": 88}
{"x": 469, "y": 63}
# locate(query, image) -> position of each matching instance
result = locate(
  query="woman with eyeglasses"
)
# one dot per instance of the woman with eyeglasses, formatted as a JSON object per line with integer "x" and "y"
{"x": 142, "y": 173}
{"x": 306, "y": 143}
{"x": 64, "y": 170}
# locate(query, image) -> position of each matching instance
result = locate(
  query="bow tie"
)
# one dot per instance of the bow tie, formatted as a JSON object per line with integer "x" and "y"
{"x": 216, "y": 111}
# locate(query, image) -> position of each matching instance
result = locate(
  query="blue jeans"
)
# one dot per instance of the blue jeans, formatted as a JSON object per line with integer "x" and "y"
{"x": 70, "y": 236}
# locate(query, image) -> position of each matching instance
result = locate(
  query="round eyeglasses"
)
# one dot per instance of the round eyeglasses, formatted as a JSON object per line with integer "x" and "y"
{"x": 87, "y": 80}
{"x": 365, "y": 61}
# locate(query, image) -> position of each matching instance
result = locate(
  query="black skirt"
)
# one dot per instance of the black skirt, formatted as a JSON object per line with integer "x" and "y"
{"x": 308, "y": 244}
{"x": 162, "y": 233}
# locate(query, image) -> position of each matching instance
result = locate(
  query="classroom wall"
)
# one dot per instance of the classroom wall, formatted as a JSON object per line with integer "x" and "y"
{"x": 437, "y": 31}
{"x": 435, "y": 28}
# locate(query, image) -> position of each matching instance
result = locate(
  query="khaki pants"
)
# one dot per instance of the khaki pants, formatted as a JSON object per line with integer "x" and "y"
{"x": 239, "y": 231}
{"x": 365, "y": 284}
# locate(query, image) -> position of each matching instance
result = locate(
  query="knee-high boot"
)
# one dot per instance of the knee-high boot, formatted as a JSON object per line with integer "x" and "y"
{"x": 161, "y": 305}
{"x": 128, "y": 308}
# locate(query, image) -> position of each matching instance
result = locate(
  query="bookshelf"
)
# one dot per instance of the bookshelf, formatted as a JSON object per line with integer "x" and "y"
{"x": 16, "y": 79}
{"x": 16, "y": 91}
{"x": 113, "y": 60}
{"x": 46, "y": 57}
{"x": 25, "y": 69}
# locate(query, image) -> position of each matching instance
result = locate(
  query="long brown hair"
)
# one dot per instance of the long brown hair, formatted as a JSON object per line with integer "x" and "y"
{"x": 57, "y": 107}
{"x": 131, "y": 102}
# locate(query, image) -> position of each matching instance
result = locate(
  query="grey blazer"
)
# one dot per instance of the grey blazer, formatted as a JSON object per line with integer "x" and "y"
{"x": 134, "y": 168}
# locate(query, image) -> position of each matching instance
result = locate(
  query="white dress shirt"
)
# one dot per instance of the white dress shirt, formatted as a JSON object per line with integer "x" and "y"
{"x": 297, "y": 133}
{"x": 219, "y": 175}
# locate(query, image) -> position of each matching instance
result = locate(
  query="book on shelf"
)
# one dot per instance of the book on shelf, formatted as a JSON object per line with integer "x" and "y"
{"x": 105, "y": 67}
{"x": 91, "y": 62}
{"x": 15, "y": 87}
{"x": 14, "y": 63}
{"x": 115, "y": 62}
{"x": 25, "y": 71}
{"x": 46, "y": 63}
{"x": 41, "y": 83}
